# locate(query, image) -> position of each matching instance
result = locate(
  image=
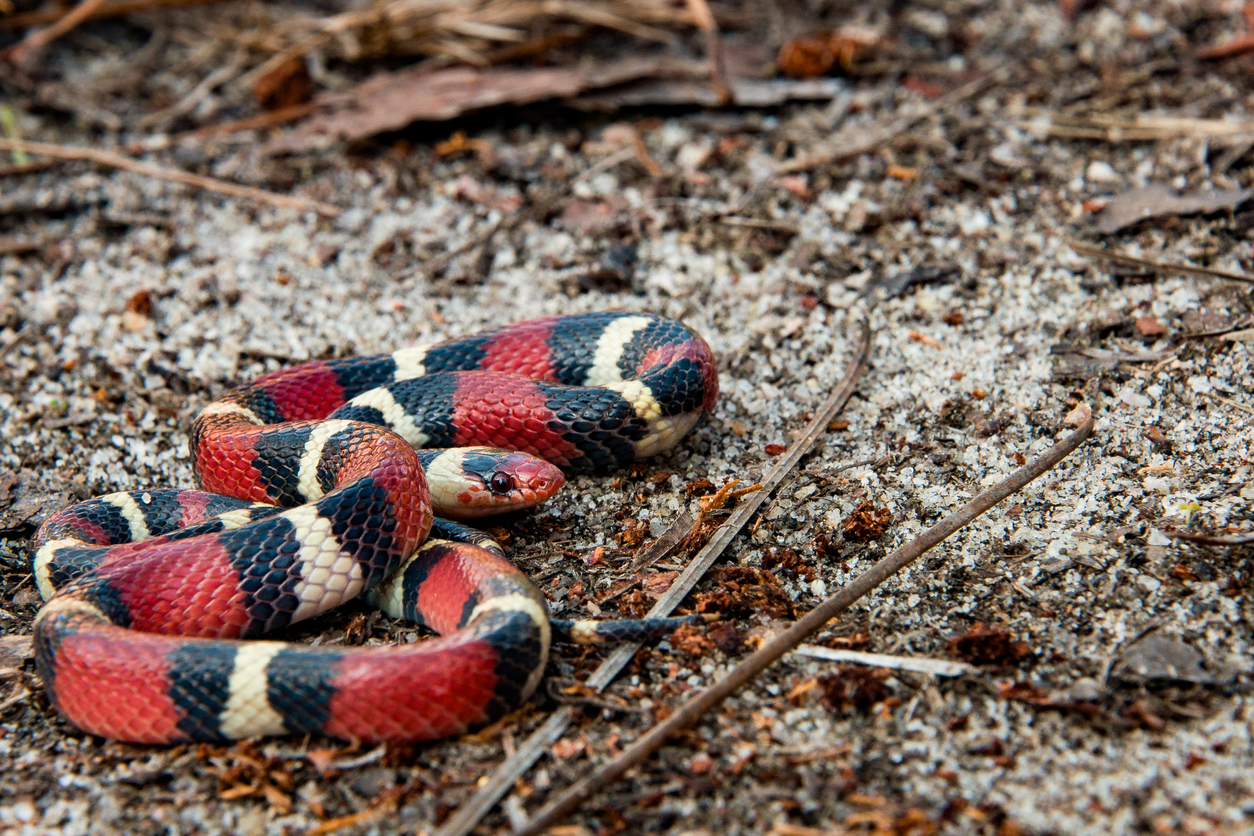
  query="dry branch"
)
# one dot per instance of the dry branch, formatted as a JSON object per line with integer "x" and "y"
{"x": 1126, "y": 260}
{"x": 714, "y": 46}
{"x": 43, "y": 17}
{"x": 172, "y": 175}
{"x": 470, "y": 813}
{"x": 769, "y": 653}
{"x": 37, "y": 40}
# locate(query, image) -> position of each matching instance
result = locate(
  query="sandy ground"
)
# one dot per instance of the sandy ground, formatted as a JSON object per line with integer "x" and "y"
{"x": 1114, "y": 693}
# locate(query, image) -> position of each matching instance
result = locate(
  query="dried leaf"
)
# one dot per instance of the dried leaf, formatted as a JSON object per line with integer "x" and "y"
{"x": 1150, "y": 327}
{"x": 287, "y": 85}
{"x": 1157, "y": 657}
{"x": 809, "y": 56}
{"x": 390, "y": 101}
{"x": 1158, "y": 200}
{"x": 989, "y": 646}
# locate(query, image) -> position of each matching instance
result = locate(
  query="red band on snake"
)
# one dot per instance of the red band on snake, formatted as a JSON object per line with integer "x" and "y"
{"x": 329, "y": 501}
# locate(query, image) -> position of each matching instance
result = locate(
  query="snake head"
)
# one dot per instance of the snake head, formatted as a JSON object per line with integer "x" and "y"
{"x": 469, "y": 482}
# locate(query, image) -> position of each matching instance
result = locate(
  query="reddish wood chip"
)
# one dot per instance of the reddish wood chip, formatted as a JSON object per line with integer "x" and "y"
{"x": 866, "y": 523}
{"x": 988, "y": 646}
{"x": 1150, "y": 327}
{"x": 806, "y": 57}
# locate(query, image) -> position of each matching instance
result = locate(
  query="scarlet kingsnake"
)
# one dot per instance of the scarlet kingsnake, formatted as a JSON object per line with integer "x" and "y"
{"x": 311, "y": 498}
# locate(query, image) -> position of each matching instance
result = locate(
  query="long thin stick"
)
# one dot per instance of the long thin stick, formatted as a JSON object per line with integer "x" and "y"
{"x": 36, "y": 41}
{"x": 714, "y": 46}
{"x": 542, "y": 738}
{"x": 1155, "y": 266}
{"x": 24, "y": 20}
{"x": 172, "y": 175}
{"x": 770, "y": 652}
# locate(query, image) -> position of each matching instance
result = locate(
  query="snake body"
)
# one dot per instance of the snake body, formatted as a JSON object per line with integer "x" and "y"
{"x": 313, "y": 493}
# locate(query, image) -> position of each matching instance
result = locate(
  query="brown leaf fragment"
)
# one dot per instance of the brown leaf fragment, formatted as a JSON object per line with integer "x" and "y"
{"x": 1182, "y": 573}
{"x": 1150, "y": 327}
{"x": 866, "y": 523}
{"x": 1026, "y": 692}
{"x": 390, "y": 101}
{"x": 813, "y": 55}
{"x": 988, "y": 646}
{"x": 633, "y": 533}
{"x": 745, "y": 591}
{"x": 809, "y": 56}
{"x": 727, "y": 639}
{"x": 699, "y": 487}
{"x": 691, "y": 641}
{"x": 140, "y": 303}
{"x": 1158, "y": 200}
{"x": 287, "y": 85}
{"x": 657, "y": 583}
{"x": 789, "y": 561}
{"x": 855, "y": 686}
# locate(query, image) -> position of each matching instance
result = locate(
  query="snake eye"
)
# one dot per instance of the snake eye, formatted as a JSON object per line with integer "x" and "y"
{"x": 501, "y": 483}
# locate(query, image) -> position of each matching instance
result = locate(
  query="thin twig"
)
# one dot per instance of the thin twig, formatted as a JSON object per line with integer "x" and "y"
{"x": 703, "y": 701}
{"x": 465, "y": 819}
{"x": 40, "y": 17}
{"x": 1155, "y": 266}
{"x": 172, "y": 175}
{"x": 714, "y": 46}
{"x": 269, "y": 119}
{"x": 28, "y": 168}
{"x": 842, "y": 147}
{"x": 1230, "y": 402}
{"x": 40, "y": 38}
{"x": 1212, "y": 540}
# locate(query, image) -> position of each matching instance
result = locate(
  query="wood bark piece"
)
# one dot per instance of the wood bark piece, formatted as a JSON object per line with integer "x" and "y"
{"x": 470, "y": 813}
{"x": 1158, "y": 200}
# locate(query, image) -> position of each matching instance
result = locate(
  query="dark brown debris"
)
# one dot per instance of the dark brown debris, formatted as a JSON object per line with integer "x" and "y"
{"x": 866, "y": 523}
{"x": 855, "y": 686}
{"x": 988, "y": 646}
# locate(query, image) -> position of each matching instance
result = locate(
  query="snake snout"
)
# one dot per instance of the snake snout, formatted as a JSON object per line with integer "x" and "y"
{"x": 538, "y": 478}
